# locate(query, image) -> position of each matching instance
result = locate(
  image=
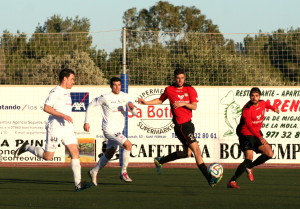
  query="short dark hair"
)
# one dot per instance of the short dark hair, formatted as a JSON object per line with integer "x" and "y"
{"x": 255, "y": 90}
{"x": 65, "y": 73}
{"x": 114, "y": 79}
{"x": 178, "y": 71}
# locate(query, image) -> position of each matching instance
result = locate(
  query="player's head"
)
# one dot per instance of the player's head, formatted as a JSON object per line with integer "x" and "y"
{"x": 115, "y": 85}
{"x": 255, "y": 95}
{"x": 67, "y": 78}
{"x": 179, "y": 77}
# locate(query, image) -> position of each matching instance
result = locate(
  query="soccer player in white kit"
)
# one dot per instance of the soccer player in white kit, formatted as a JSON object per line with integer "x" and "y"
{"x": 60, "y": 127}
{"x": 114, "y": 106}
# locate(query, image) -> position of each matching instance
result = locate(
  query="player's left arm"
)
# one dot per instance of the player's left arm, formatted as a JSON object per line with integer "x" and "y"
{"x": 271, "y": 107}
{"x": 132, "y": 108}
{"x": 192, "y": 106}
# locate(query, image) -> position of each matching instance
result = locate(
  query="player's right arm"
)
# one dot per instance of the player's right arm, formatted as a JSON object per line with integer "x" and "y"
{"x": 151, "y": 102}
{"x": 50, "y": 104}
{"x": 97, "y": 101}
{"x": 86, "y": 127}
{"x": 52, "y": 111}
{"x": 156, "y": 101}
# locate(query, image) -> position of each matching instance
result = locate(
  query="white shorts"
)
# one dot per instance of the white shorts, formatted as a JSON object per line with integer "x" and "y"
{"x": 114, "y": 139}
{"x": 57, "y": 132}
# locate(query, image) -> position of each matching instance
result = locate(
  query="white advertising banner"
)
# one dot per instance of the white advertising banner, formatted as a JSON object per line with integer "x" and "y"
{"x": 151, "y": 131}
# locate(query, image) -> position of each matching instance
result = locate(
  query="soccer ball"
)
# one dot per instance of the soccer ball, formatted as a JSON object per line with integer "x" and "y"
{"x": 215, "y": 170}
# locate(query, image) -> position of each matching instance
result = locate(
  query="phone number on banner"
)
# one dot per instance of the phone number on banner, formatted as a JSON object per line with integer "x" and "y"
{"x": 283, "y": 134}
{"x": 201, "y": 135}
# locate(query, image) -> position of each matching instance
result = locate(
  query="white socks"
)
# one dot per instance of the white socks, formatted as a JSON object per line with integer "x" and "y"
{"x": 75, "y": 163}
{"x": 37, "y": 151}
{"x": 125, "y": 157}
{"x": 101, "y": 163}
{"x": 76, "y": 168}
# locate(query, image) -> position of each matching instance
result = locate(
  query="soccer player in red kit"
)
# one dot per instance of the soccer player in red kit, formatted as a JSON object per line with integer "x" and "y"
{"x": 250, "y": 136}
{"x": 183, "y": 99}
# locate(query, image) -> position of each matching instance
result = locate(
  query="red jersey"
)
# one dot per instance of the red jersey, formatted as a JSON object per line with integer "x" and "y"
{"x": 187, "y": 94}
{"x": 252, "y": 118}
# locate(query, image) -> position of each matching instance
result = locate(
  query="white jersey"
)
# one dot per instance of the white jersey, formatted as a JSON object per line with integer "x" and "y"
{"x": 114, "y": 110}
{"x": 59, "y": 130}
{"x": 60, "y": 100}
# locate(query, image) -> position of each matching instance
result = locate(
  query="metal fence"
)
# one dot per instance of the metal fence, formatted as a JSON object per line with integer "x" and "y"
{"x": 150, "y": 57}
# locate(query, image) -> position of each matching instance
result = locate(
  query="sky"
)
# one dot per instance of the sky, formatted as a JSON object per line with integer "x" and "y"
{"x": 231, "y": 16}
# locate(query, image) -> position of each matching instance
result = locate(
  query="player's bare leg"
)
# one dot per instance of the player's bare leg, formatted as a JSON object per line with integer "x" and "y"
{"x": 267, "y": 154}
{"x": 48, "y": 155}
{"x": 194, "y": 147}
{"x": 159, "y": 161}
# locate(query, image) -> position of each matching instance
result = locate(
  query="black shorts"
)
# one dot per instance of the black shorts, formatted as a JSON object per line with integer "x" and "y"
{"x": 185, "y": 133}
{"x": 249, "y": 143}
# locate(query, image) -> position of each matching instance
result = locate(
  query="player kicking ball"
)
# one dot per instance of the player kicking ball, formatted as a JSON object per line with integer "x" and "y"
{"x": 114, "y": 106}
{"x": 183, "y": 100}
{"x": 250, "y": 136}
{"x": 60, "y": 128}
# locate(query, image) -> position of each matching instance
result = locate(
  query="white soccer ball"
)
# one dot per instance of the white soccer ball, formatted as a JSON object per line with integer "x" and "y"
{"x": 215, "y": 170}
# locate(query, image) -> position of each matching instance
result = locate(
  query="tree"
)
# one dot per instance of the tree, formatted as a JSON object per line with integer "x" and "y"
{"x": 17, "y": 66}
{"x": 168, "y": 18}
{"x": 60, "y": 36}
{"x": 150, "y": 65}
{"x": 182, "y": 37}
{"x": 56, "y": 24}
{"x": 87, "y": 72}
{"x": 3, "y": 77}
{"x": 276, "y": 54}
{"x": 59, "y": 40}
{"x": 284, "y": 53}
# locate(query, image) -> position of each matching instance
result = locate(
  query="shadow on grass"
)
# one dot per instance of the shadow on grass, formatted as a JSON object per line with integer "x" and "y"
{"x": 30, "y": 181}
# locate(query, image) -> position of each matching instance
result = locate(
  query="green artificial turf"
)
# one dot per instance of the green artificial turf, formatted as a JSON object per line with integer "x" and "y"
{"x": 174, "y": 188}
